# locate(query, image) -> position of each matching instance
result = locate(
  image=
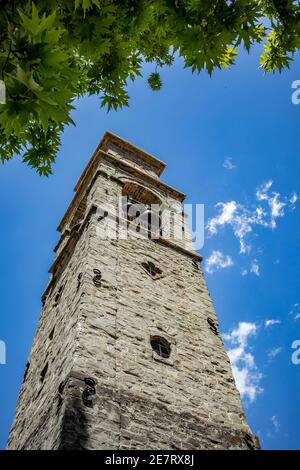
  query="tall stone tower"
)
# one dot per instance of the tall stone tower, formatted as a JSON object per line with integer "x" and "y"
{"x": 127, "y": 353}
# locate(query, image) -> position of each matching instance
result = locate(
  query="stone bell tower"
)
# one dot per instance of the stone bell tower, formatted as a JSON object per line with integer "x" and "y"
{"x": 127, "y": 353}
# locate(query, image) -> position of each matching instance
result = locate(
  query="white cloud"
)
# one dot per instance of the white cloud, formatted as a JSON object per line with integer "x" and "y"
{"x": 293, "y": 199}
{"x": 255, "y": 267}
{"x": 217, "y": 260}
{"x": 271, "y": 322}
{"x": 261, "y": 192}
{"x": 244, "y": 272}
{"x": 276, "y": 206}
{"x": 274, "y": 352}
{"x": 275, "y": 423}
{"x": 295, "y": 311}
{"x": 244, "y": 369}
{"x": 237, "y": 217}
{"x": 228, "y": 165}
{"x": 226, "y": 216}
{"x": 243, "y": 220}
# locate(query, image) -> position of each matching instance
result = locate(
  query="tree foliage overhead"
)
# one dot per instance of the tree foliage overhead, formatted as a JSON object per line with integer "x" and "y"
{"x": 54, "y": 51}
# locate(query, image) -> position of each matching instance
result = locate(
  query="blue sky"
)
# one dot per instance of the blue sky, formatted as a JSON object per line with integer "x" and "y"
{"x": 195, "y": 124}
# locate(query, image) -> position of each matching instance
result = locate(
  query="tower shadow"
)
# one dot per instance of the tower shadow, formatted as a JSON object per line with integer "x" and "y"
{"x": 74, "y": 429}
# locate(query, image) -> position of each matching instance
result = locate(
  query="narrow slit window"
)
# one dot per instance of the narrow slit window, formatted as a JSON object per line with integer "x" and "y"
{"x": 212, "y": 325}
{"x": 79, "y": 278}
{"x": 50, "y": 337}
{"x": 26, "y": 371}
{"x": 43, "y": 373}
{"x": 58, "y": 295}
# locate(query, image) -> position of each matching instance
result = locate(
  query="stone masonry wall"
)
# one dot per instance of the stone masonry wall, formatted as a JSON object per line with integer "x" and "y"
{"x": 94, "y": 381}
{"x": 37, "y": 423}
{"x": 143, "y": 401}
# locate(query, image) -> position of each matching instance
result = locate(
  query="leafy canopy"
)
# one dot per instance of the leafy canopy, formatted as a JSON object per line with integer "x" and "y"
{"x": 54, "y": 51}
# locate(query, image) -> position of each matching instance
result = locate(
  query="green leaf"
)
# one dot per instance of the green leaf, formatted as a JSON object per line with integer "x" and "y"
{"x": 27, "y": 79}
{"x": 86, "y": 4}
{"x": 56, "y": 51}
{"x": 35, "y": 25}
{"x": 155, "y": 81}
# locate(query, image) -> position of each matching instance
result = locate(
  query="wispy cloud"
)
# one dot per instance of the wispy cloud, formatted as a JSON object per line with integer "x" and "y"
{"x": 263, "y": 189}
{"x": 293, "y": 199}
{"x": 237, "y": 217}
{"x": 254, "y": 268}
{"x": 276, "y": 424}
{"x": 226, "y": 216}
{"x": 216, "y": 261}
{"x": 246, "y": 374}
{"x": 271, "y": 322}
{"x": 274, "y": 352}
{"x": 228, "y": 164}
{"x": 295, "y": 311}
{"x": 276, "y": 428}
{"x": 243, "y": 220}
{"x": 276, "y": 206}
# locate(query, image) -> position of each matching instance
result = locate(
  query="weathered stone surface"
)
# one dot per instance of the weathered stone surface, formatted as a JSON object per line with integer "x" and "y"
{"x": 94, "y": 381}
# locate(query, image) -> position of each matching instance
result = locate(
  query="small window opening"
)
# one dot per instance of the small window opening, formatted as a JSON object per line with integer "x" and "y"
{"x": 153, "y": 270}
{"x": 212, "y": 325}
{"x": 78, "y": 281}
{"x": 43, "y": 373}
{"x": 44, "y": 298}
{"x": 161, "y": 346}
{"x": 61, "y": 387}
{"x": 58, "y": 295}
{"x": 76, "y": 227}
{"x": 249, "y": 441}
{"x": 97, "y": 279}
{"x": 90, "y": 382}
{"x": 89, "y": 392}
{"x": 196, "y": 264}
{"x": 26, "y": 371}
{"x": 102, "y": 216}
{"x": 50, "y": 337}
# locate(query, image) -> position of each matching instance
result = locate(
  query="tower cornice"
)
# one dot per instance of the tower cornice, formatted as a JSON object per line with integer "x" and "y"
{"x": 122, "y": 164}
{"x": 146, "y": 157}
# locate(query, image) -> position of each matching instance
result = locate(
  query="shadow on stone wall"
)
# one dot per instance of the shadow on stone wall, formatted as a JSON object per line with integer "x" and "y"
{"x": 74, "y": 429}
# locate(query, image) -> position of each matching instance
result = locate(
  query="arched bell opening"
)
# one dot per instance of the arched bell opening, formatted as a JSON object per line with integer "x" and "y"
{"x": 142, "y": 207}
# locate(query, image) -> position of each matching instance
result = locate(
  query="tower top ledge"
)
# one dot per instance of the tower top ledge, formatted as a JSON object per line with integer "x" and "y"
{"x": 123, "y": 154}
{"x": 109, "y": 139}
